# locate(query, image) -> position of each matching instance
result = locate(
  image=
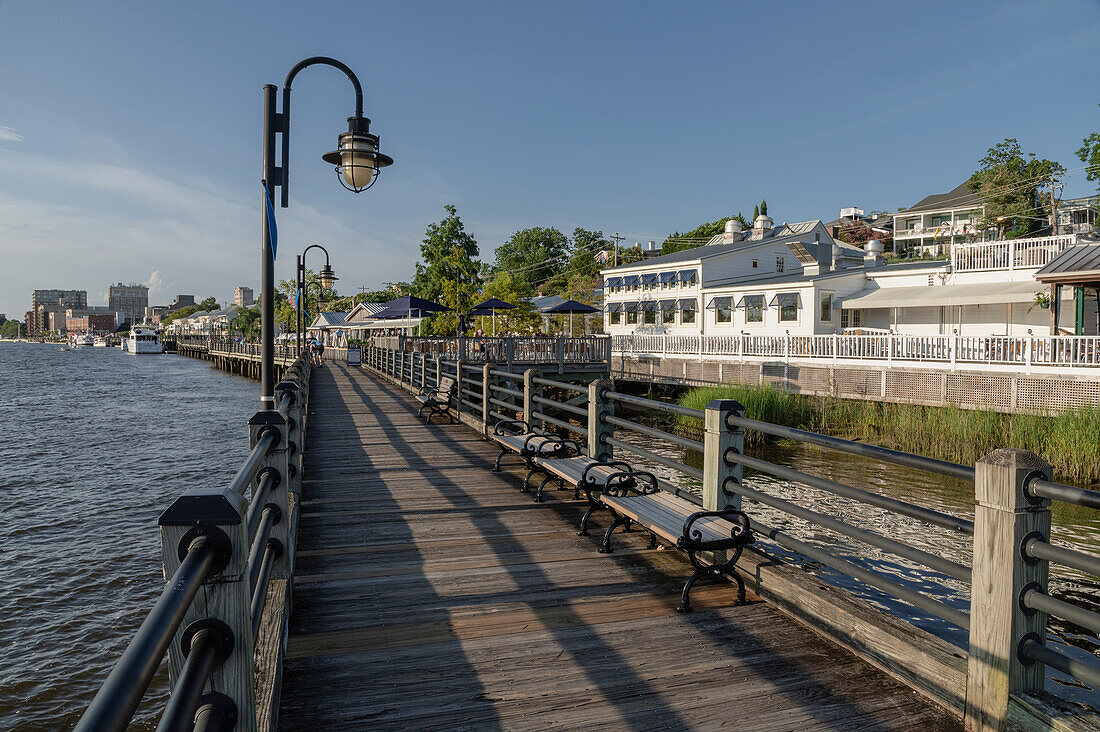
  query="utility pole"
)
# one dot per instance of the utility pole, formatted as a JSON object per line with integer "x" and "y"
{"x": 1053, "y": 205}
{"x": 617, "y": 239}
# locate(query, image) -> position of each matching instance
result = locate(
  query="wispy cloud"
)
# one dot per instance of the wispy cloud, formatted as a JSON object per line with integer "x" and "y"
{"x": 8, "y": 134}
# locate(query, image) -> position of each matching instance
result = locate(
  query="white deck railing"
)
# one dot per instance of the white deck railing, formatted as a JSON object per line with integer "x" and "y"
{"x": 1010, "y": 254}
{"x": 1024, "y": 351}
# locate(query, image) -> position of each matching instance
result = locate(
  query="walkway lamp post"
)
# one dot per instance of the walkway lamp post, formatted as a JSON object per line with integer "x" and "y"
{"x": 327, "y": 278}
{"x": 357, "y": 162}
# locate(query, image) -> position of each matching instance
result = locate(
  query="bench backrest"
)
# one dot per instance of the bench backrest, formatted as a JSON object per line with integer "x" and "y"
{"x": 445, "y": 389}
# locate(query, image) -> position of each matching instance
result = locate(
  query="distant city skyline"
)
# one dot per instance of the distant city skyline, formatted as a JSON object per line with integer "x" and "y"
{"x": 141, "y": 161}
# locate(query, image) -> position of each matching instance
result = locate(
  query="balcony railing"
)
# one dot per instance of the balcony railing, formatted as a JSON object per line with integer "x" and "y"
{"x": 1025, "y": 351}
{"x": 1009, "y": 255}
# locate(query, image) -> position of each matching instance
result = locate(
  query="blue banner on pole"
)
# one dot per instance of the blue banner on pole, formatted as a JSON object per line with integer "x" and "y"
{"x": 272, "y": 230}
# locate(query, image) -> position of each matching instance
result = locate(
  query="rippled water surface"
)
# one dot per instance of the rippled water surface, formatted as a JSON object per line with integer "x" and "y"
{"x": 94, "y": 444}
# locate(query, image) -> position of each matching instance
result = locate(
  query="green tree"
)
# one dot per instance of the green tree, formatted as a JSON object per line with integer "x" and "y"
{"x": 631, "y": 255}
{"x": 535, "y": 255}
{"x": 209, "y": 304}
{"x": 449, "y": 272}
{"x": 246, "y": 320}
{"x": 1089, "y": 154}
{"x": 523, "y": 319}
{"x": 1009, "y": 184}
{"x": 10, "y": 328}
{"x": 756, "y": 212}
{"x": 763, "y": 207}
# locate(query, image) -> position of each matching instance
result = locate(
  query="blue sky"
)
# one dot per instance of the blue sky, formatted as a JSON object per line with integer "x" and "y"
{"x": 130, "y": 132}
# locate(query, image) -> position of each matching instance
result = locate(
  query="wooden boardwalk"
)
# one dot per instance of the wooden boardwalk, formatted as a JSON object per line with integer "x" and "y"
{"x": 430, "y": 594}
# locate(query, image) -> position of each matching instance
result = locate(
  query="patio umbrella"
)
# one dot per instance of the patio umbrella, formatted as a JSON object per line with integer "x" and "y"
{"x": 491, "y": 305}
{"x": 404, "y": 307}
{"x": 571, "y": 306}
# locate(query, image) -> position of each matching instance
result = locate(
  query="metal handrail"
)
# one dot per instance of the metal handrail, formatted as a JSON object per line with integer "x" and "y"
{"x": 115, "y": 702}
{"x": 506, "y": 390}
{"x": 1034, "y": 650}
{"x": 876, "y": 580}
{"x": 896, "y": 457}
{"x": 911, "y": 510}
{"x": 578, "y": 411}
{"x": 511, "y": 376}
{"x": 1036, "y": 548}
{"x": 542, "y": 416}
{"x": 659, "y": 459}
{"x": 654, "y": 404}
{"x": 559, "y": 385}
{"x": 684, "y": 442}
{"x": 1040, "y": 488}
{"x": 1041, "y": 601}
{"x": 252, "y": 464}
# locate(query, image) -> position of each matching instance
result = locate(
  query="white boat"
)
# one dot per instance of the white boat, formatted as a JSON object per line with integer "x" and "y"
{"x": 101, "y": 342}
{"x": 83, "y": 339}
{"x": 144, "y": 340}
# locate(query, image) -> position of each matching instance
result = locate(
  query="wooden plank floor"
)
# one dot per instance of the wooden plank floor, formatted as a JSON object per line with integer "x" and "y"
{"x": 431, "y": 594}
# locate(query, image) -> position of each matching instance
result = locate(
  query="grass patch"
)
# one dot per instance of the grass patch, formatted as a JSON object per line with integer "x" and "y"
{"x": 1069, "y": 441}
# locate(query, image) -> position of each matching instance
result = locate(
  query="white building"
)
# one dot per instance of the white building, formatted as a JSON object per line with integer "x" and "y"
{"x": 938, "y": 222}
{"x": 796, "y": 280}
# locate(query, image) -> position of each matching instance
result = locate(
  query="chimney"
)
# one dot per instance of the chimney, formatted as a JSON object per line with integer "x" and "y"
{"x": 732, "y": 232}
{"x": 872, "y": 253}
{"x": 761, "y": 226}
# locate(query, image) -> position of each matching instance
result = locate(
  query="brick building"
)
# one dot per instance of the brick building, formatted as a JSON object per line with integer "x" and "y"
{"x": 129, "y": 299}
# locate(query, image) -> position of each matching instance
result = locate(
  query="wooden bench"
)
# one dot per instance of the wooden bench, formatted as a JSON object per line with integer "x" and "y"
{"x": 684, "y": 526}
{"x": 437, "y": 399}
{"x": 516, "y": 437}
{"x": 583, "y": 473}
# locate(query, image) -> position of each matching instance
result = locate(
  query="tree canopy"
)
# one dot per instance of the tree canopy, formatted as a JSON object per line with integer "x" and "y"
{"x": 1009, "y": 183}
{"x": 535, "y": 255}
{"x": 449, "y": 272}
{"x": 1089, "y": 154}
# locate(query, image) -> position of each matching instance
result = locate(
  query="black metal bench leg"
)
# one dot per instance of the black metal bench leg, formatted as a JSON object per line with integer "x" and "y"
{"x": 527, "y": 481}
{"x": 584, "y": 519}
{"x": 685, "y": 598}
{"x": 542, "y": 485}
{"x": 496, "y": 465}
{"x": 740, "y": 586}
{"x": 652, "y": 541}
{"x": 606, "y": 547}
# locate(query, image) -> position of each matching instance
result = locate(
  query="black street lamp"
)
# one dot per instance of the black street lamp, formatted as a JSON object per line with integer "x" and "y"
{"x": 327, "y": 278}
{"x": 357, "y": 162}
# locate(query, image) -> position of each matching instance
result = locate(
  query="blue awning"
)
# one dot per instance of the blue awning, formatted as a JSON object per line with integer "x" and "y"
{"x": 666, "y": 277}
{"x": 686, "y": 275}
{"x": 751, "y": 301}
{"x": 688, "y": 303}
{"x": 720, "y": 302}
{"x": 668, "y": 304}
{"x": 630, "y": 280}
{"x": 649, "y": 279}
{"x": 613, "y": 281}
{"x": 613, "y": 307}
{"x": 648, "y": 306}
{"x": 630, "y": 307}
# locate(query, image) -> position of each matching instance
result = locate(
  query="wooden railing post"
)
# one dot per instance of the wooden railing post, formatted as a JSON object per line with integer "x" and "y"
{"x": 459, "y": 386}
{"x": 530, "y": 391}
{"x": 599, "y": 407}
{"x": 438, "y": 370}
{"x": 486, "y": 394}
{"x": 276, "y": 461}
{"x": 225, "y": 600}
{"x": 720, "y": 438}
{"x": 1005, "y": 516}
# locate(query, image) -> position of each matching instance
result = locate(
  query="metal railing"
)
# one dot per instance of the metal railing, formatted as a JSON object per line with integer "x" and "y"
{"x": 1007, "y": 575}
{"x": 1026, "y": 351}
{"x": 230, "y": 546}
{"x": 227, "y": 346}
{"x": 504, "y": 350}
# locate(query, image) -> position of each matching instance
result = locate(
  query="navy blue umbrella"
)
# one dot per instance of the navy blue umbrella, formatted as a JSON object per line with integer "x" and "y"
{"x": 490, "y": 307}
{"x": 571, "y": 306}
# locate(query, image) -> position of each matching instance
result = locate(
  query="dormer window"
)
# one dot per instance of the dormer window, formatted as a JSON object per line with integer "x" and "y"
{"x": 780, "y": 263}
{"x": 755, "y": 264}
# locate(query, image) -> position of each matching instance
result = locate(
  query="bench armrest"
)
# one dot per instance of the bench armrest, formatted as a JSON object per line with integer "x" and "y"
{"x": 499, "y": 429}
{"x": 587, "y": 480}
{"x": 638, "y": 482}
{"x": 740, "y": 535}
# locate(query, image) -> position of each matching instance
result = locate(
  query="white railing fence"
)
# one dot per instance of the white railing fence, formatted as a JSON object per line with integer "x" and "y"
{"x": 1021, "y": 350}
{"x": 1010, "y": 254}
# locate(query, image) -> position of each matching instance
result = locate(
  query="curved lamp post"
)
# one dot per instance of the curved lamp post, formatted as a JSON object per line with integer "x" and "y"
{"x": 357, "y": 162}
{"x": 327, "y": 278}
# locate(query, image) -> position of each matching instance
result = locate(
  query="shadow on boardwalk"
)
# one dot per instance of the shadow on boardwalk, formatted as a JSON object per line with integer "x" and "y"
{"x": 430, "y": 594}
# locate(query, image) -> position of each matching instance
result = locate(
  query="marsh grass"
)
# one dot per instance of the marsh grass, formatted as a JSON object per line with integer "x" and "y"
{"x": 1069, "y": 441}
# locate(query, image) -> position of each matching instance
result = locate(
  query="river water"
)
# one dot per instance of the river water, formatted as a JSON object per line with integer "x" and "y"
{"x": 94, "y": 444}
